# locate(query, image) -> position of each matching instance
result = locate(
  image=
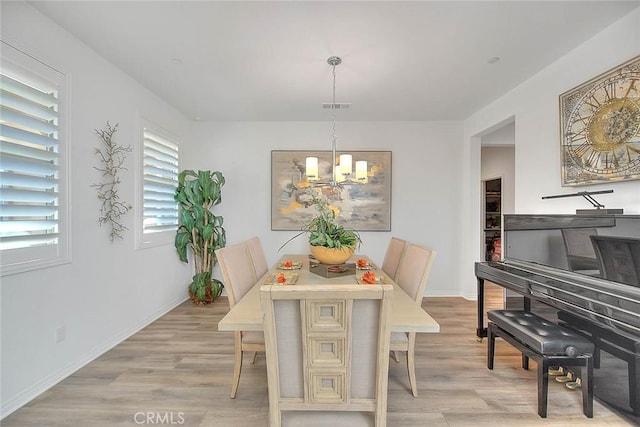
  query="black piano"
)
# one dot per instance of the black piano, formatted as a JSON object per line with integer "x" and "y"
{"x": 582, "y": 271}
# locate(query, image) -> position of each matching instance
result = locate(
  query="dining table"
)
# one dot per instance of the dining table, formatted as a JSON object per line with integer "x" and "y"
{"x": 407, "y": 314}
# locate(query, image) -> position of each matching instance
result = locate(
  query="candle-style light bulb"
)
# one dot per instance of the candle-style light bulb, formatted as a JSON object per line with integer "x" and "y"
{"x": 311, "y": 168}
{"x": 346, "y": 164}
{"x": 362, "y": 176}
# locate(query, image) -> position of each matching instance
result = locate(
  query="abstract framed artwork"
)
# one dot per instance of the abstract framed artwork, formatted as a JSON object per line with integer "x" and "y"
{"x": 363, "y": 204}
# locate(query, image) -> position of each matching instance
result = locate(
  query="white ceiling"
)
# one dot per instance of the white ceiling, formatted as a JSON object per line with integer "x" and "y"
{"x": 420, "y": 60}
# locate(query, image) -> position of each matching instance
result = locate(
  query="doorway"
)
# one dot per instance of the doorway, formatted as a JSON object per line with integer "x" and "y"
{"x": 492, "y": 216}
{"x": 497, "y": 169}
{"x": 497, "y": 174}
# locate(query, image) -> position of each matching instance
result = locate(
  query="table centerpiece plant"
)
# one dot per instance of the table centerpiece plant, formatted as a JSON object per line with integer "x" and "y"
{"x": 200, "y": 230}
{"x": 330, "y": 242}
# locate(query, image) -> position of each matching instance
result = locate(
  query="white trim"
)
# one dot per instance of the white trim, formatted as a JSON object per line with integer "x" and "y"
{"x": 33, "y": 391}
{"x": 146, "y": 240}
{"x": 14, "y": 261}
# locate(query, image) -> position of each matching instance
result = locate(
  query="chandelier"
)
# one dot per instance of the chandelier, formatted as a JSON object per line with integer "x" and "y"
{"x": 342, "y": 170}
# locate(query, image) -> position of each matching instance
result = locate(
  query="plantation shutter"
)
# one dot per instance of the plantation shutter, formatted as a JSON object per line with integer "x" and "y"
{"x": 160, "y": 165}
{"x": 30, "y": 158}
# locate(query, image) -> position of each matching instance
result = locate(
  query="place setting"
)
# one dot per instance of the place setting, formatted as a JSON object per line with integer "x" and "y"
{"x": 290, "y": 265}
{"x": 282, "y": 278}
{"x": 364, "y": 264}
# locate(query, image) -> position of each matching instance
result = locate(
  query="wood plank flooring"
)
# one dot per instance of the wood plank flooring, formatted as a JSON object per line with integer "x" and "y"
{"x": 178, "y": 370}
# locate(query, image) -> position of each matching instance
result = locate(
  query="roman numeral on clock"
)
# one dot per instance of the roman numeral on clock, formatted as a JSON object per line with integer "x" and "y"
{"x": 593, "y": 102}
{"x": 632, "y": 86}
{"x": 610, "y": 160}
{"x": 610, "y": 90}
{"x": 630, "y": 149}
{"x": 592, "y": 158}
{"x": 581, "y": 149}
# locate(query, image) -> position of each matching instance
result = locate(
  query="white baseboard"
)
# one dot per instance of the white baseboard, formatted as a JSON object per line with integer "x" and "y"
{"x": 442, "y": 295}
{"x": 33, "y": 391}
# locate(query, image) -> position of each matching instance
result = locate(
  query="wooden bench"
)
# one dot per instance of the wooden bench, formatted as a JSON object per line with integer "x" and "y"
{"x": 548, "y": 345}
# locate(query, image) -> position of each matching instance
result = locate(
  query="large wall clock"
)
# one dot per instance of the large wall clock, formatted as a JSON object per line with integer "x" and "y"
{"x": 600, "y": 128}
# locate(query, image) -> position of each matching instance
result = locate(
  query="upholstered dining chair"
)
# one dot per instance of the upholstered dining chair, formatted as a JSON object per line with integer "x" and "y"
{"x": 392, "y": 257}
{"x": 619, "y": 258}
{"x": 412, "y": 276}
{"x": 581, "y": 255}
{"x": 259, "y": 261}
{"x": 238, "y": 276}
{"x": 327, "y": 352}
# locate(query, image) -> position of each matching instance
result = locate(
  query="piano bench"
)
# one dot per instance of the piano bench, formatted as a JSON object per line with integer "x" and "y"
{"x": 548, "y": 345}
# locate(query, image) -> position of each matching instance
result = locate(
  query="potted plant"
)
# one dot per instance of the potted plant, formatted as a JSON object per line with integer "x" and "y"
{"x": 330, "y": 242}
{"x": 200, "y": 230}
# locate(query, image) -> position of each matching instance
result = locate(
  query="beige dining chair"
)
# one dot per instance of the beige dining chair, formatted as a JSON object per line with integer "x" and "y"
{"x": 392, "y": 257}
{"x": 259, "y": 260}
{"x": 412, "y": 276}
{"x": 327, "y": 352}
{"x": 238, "y": 277}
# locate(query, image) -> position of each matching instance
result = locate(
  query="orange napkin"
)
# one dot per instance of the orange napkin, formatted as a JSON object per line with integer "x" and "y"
{"x": 287, "y": 264}
{"x": 362, "y": 263}
{"x": 282, "y": 278}
{"x": 369, "y": 277}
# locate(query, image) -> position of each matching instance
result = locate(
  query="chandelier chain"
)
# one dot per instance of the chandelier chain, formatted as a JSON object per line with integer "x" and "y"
{"x": 334, "y": 61}
{"x": 333, "y": 105}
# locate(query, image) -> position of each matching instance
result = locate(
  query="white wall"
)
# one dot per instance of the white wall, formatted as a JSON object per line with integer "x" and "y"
{"x": 425, "y": 182}
{"x": 504, "y": 135}
{"x": 109, "y": 290}
{"x": 534, "y": 104}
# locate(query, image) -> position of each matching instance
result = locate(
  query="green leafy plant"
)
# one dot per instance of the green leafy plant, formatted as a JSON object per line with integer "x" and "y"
{"x": 324, "y": 231}
{"x": 199, "y": 229}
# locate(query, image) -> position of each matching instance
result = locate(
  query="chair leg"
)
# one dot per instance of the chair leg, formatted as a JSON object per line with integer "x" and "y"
{"x": 253, "y": 359}
{"x": 411, "y": 363}
{"x": 237, "y": 365}
{"x": 394, "y": 356}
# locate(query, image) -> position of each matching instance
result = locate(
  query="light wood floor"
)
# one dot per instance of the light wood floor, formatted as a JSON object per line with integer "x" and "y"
{"x": 179, "y": 369}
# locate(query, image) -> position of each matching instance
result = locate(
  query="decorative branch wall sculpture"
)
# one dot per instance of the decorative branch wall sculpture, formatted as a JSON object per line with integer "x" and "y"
{"x": 112, "y": 158}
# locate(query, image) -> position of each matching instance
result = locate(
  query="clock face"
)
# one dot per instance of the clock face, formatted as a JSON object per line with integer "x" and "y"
{"x": 601, "y": 128}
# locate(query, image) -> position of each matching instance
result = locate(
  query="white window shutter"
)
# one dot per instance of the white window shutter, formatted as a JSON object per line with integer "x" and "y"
{"x": 160, "y": 180}
{"x": 31, "y": 163}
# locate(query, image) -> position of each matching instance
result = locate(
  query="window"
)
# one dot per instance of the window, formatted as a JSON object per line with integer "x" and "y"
{"x": 159, "y": 182}
{"x": 33, "y": 187}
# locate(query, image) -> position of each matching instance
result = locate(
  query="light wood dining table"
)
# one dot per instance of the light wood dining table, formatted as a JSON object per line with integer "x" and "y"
{"x": 246, "y": 315}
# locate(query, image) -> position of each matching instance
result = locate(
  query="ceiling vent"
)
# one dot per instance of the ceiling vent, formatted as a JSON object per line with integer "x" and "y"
{"x": 338, "y": 105}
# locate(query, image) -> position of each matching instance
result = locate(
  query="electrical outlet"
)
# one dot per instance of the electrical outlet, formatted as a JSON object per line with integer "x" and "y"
{"x": 60, "y": 334}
